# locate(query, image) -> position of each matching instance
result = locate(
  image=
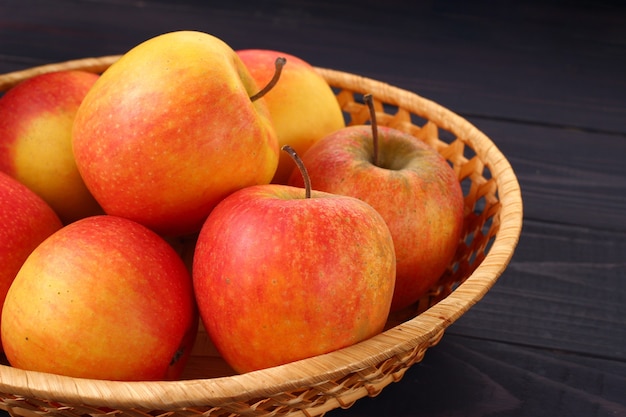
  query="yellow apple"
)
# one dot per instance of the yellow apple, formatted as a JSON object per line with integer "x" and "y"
{"x": 36, "y": 118}
{"x": 105, "y": 298}
{"x": 169, "y": 130}
{"x": 302, "y": 105}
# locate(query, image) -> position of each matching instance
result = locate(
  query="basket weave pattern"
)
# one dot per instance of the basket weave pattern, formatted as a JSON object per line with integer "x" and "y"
{"x": 493, "y": 221}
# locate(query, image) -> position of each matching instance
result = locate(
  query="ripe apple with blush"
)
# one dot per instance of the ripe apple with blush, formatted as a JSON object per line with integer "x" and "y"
{"x": 302, "y": 105}
{"x": 170, "y": 129}
{"x": 36, "y": 119}
{"x": 409, "y": 183}
{"x": 103, "y": 298}
{"x": 26, "y": 220}
{"x": 284, "y": 273}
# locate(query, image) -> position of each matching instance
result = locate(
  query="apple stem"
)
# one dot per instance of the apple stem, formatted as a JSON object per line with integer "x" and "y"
{"x": 279, "y": 64}
{"x": 305, "y": 174}
{"x": 370, "y": 104}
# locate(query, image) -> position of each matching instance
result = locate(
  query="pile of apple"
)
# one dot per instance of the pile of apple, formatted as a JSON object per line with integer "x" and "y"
{"x": 173, "y": 188}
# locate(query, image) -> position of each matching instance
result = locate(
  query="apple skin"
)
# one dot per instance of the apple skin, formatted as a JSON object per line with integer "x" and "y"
{"x": 26, "y": 220}
{"x": 36, "y": 118}
{"x": 302, "y": 105}
{"x": 102, "y": 298}
{"x": 279, "y": 278}
{"x": 413, "y": 188}
{"x": 169, "y": 130}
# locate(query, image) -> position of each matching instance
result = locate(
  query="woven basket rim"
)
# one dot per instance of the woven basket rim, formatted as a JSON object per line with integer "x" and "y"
{"x": 427, "y": 326}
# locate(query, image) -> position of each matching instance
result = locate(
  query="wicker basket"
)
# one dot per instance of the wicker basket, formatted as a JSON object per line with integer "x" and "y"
{"x": 493, "y": 222}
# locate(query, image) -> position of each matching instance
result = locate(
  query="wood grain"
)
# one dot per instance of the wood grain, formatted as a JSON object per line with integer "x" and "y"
{"x": 498, "y": 379}
{"x": 564, "y": 290}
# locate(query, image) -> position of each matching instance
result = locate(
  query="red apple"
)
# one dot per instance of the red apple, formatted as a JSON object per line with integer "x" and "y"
{"x": 25, "y": 221}
{"x": 36, "y": 119}
{"x": 302, "y": 105}
{"x": 411, "y": 185}
{"x": 279, "y": 277}
{"x": 102, "y": 298}
{"x": 170, "y": 129}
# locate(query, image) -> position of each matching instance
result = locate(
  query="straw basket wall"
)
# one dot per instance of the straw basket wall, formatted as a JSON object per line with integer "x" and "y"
{"x": 493, "y": 222}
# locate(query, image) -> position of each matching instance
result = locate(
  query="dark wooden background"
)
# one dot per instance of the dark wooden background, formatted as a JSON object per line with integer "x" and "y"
{"x": 546, "y": 80}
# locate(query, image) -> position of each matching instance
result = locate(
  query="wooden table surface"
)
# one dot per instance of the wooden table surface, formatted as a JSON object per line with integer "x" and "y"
{"x": 546, "y": 81}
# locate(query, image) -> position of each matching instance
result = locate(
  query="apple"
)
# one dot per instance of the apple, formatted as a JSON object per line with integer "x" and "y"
{"x": 282, "y": 273}
{"x": 103, "y": 298}
{"x": 409, "y": 183}
{"x": 170, "y": 129}
{"x": 36, "y": 118}
{"x": 25, "y": 221}
{"x": 302, "y": 105}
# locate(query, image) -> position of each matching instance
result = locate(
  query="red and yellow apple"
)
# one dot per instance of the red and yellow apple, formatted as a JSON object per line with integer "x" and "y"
{"x": 169, "y": 130}
{"x": 36, "y": 118}
{"x": 302, "y": 105}
{"x": 26, "y": 220}
{"x": 411, "y": 185}
{"x": 104, "y": 298}
{"x": 279, "y": 277}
